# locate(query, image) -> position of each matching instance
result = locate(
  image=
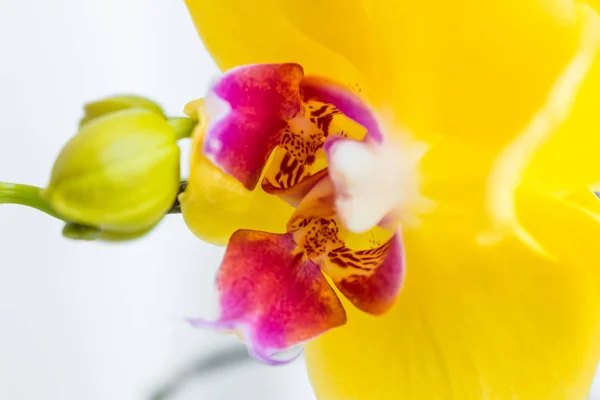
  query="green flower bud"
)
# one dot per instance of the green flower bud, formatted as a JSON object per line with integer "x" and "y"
{"x": 111, "y": 104}
{"x": 119, "y": 175}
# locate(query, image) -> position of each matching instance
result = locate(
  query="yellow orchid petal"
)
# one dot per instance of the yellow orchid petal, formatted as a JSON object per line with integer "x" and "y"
{"x": 567, "y": 160}
{"x": 474, "y": 322}
{"x": 595, "y": 4}
{"x": 342, "y": 26}
{"x": 570, "y": 228}
{"x": 432, "y": 69}
{"x": 238, "y": 32}
{"x": 215, "y": 205}
{"x": 459, "y": 67}
{"x": 438, "y": 77}
{"x": 513, "y": 164}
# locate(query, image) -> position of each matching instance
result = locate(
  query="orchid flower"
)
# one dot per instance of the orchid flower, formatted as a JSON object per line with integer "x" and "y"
{"x": 478, "y": 148}
{"x": 272, "y": 125}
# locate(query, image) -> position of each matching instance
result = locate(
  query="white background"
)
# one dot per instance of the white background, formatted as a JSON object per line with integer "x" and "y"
{"x": 87, "y": 321}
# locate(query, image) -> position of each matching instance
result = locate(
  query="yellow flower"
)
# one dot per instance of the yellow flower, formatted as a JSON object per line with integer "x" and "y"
{"x": 501, "y": 297}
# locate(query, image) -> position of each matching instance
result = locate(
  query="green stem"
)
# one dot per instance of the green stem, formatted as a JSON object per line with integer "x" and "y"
{"x": 183, "y": 126}
{"x": 26, "y": 195}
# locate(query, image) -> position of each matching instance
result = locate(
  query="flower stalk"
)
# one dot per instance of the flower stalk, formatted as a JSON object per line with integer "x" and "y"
{"x": 26, "y": 195}
{"x": 183, "y": 126}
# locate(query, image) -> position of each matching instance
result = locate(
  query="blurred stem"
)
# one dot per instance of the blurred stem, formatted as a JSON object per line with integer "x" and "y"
{"x": 31, "y": 196}
{"x": 25, "y": 195}
{"x": 176, "y": 207}
{"x": 221, "y": 361}
{"x": 183, "y": 126}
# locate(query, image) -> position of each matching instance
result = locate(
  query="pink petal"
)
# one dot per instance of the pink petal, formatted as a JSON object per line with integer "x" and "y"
{"x": 370, "y": 279}
{"x": 273, "y": 295}
{"x": 349, "y": 103}
{"x": 257, "y": 101}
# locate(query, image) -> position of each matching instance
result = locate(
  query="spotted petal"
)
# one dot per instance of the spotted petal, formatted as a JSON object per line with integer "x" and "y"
{"x": 272, "y": 295}
{"x": 348, "y": 102}
{"x": 370, "y": 279}
{"x": 366, "y": 269}
{"x": 300, "y": 162}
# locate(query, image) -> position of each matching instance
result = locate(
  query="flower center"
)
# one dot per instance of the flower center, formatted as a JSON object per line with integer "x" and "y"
{"x": 290, "y": 134}
{"x": 296, "y": 157}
